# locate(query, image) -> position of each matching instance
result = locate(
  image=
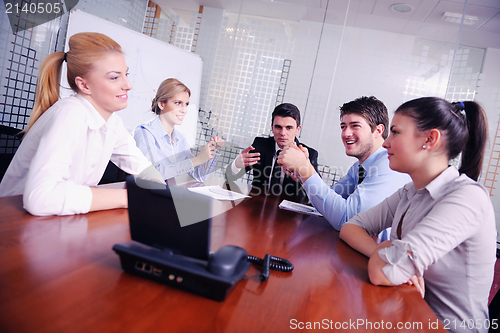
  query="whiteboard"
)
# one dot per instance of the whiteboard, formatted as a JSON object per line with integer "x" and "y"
{"x": 150, "y": 61}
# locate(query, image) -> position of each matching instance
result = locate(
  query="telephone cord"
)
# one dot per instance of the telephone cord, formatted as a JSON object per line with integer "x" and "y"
{"x": 276, "y": 263}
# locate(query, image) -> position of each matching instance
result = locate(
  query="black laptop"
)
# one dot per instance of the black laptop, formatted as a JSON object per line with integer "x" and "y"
{"x": 169, "y": 218}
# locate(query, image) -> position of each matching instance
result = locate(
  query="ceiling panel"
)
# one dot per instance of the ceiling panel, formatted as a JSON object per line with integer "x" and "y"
{"x": 420, "y": 9}
{"x": 424, "y": 21}
{"x": 484, "y": 3}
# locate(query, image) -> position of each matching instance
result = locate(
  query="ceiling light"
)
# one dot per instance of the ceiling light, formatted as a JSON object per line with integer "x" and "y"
{"x": 401, "y": 8}
{"x": 457, "y": 18}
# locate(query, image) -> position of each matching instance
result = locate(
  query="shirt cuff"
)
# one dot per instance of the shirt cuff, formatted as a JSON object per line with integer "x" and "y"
{"x": 400, "y": 261}
{"x": 183, "y": 167}
{"x": 214, "y": 160}
{"x": 78, "y": 199}
{"x": 314, "y": 184}
{"x": 234, "y": 168}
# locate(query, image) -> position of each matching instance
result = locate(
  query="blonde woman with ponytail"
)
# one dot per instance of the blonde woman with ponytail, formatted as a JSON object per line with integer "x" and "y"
{"x": 68, "y": 142}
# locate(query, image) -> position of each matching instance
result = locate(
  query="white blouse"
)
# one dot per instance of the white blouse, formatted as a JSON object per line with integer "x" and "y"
{"x": 66, "y": 151}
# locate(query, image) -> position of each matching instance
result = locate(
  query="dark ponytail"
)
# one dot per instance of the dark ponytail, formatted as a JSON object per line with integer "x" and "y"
{"x": 473, "y": 152}
{"x": 463, "y": 125}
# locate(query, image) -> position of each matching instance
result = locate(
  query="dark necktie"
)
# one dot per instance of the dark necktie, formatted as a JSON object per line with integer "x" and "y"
{"x": 361, "y": 174}
{"x": 276, "y": 173}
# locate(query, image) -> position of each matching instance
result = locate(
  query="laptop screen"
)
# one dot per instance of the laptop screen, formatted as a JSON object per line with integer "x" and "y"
{"x": 169, "y": 218}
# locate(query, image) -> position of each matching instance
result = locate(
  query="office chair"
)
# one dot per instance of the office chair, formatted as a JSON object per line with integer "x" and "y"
{"x": 494, "y": 310}
{"x": 10, "y": 139}
{"x": 113, "y": 174}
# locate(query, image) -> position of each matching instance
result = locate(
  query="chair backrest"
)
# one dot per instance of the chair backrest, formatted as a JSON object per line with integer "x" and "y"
{"x": 10, "y": 139}
{"x": 113, "y": 174}
{"x": 494, "y": 307}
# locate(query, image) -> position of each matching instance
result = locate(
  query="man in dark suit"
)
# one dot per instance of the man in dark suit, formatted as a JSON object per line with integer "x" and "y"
{"x": 262, "y": 154}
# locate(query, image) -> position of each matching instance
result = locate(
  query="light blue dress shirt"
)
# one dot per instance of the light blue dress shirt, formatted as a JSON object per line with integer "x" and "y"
{"x": 346, "y": 198}
{"x": 170, "y": 156}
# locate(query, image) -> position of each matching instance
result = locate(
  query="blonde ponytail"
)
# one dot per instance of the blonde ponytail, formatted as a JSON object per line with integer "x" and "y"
{"x": 47, "y": 91}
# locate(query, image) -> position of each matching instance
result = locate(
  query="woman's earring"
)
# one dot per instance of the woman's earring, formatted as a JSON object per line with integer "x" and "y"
{"x": 424, "y": 147}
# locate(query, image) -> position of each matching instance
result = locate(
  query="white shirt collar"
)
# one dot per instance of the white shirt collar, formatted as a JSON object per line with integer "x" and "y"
{"x": 95, "y": 120}
{"x": 439, "y": 185}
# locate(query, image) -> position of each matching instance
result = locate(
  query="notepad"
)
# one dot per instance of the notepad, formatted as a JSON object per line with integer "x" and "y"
{"x": 218, "y": 193}
{"x": 299, "y": 208}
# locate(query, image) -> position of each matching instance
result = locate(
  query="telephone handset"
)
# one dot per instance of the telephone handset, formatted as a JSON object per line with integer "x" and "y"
{"x": 228, "y": 258}
{"x": 225, "y": 261}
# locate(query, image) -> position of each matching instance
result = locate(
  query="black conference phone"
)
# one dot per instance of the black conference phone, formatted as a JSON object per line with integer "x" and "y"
{"x": 213, "y": 279}
{"x": 164, "y": 251}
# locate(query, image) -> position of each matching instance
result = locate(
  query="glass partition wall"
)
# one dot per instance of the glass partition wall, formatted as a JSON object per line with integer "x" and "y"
{"x": 321, "y": 54}
{"x": 316, "y": 54}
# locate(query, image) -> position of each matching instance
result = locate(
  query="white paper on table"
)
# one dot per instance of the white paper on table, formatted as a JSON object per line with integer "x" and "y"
{"x": 217, "y": 192}
{"x": 299, "y": 208}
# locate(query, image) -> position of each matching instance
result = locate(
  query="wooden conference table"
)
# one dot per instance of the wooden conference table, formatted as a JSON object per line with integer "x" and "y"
{"x": 59, "y": 274}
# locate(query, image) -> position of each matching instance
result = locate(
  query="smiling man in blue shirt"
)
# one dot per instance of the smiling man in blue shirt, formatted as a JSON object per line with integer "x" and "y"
{"x": 364, "y": 124}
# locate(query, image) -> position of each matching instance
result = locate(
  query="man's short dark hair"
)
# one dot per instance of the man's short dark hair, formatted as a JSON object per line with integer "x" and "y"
{"x": 370, "y": 108}
{"x": 287, "y": 110}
